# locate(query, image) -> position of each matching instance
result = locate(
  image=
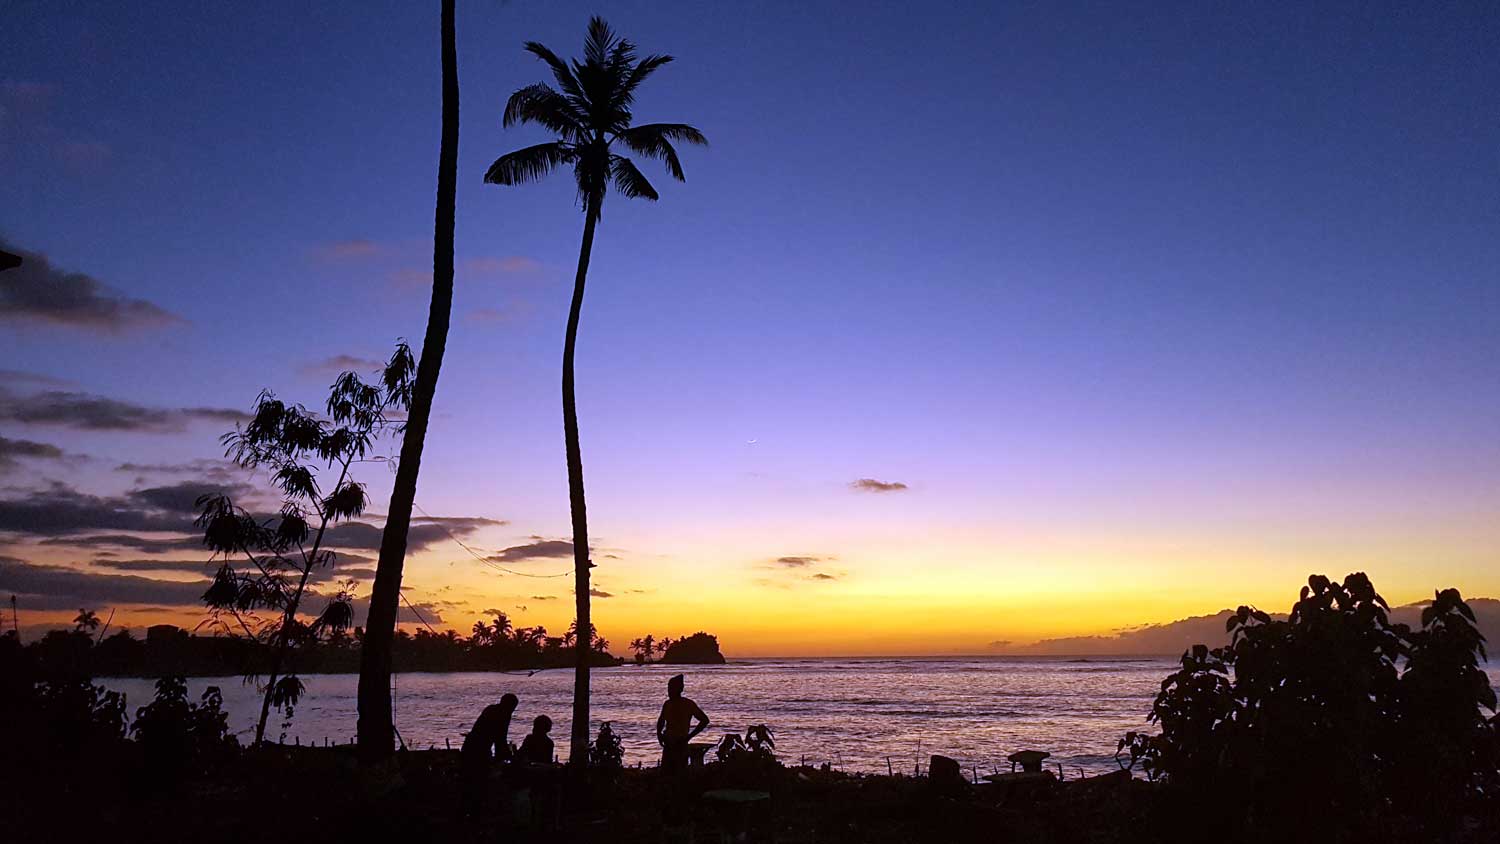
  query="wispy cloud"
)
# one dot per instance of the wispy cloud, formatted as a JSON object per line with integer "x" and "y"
{"x": 600, "y": 593}
{"x": 492, "y": 266}
{"x": 796, "y": 562}
{"x": 537, "y": 549}
{"x": 87, "y": 412}
{"x": 339, "y": 364}
{"x": 344, "y": 251}
{"x": 873, "y": 485}
{"x": 38, "y": 292}
{"x": 12, "y": 451}
{"x": 16, "y": 376}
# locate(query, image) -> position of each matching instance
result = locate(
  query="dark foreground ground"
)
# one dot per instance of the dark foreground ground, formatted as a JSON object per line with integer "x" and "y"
{"x": 321, "y": 795}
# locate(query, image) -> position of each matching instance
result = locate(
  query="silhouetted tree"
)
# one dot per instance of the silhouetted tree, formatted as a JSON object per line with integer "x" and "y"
{"x": 278, "y": 556}
{"x": 86, "y": 620}
{"x": 590, "y": 115}
{"x": 376, "y": 730}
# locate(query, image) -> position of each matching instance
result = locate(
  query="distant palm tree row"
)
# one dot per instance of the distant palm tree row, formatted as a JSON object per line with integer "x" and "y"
{"x": 589, "y": 112}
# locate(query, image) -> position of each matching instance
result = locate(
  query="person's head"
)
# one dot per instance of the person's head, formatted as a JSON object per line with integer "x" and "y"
{"x": 674, "y": 686}
{"x": 542, "y": 725}
{"x": 508, "y": 702}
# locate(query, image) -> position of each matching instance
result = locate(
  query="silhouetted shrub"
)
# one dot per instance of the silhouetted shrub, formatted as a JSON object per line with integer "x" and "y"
{"x": 175, "y": 733}
{"x": 606, "y": 751}
{"x": 1447, "y": 746}
{"x": 1306, "y": 725}
{"x": 79, "y": 716}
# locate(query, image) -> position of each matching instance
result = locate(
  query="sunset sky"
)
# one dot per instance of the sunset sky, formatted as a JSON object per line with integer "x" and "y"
{"x": 975, "y": 323}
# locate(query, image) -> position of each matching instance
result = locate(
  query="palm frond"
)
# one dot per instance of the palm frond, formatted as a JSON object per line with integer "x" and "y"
{"x": 560, "y": 71}
{"x": 544, "y": 106}
{"x": 628, "y": 180}
{"x": 529, "y": 164}
{"x": 654, "y": 140}
{"x": 638, "y": 74}
{"x": 600, "y": 41}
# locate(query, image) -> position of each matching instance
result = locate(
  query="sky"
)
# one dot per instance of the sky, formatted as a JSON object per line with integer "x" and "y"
{"x": 974, "y": 323}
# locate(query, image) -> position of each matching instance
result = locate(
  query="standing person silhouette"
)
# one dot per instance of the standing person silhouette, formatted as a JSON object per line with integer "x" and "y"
{"x": 485, "y": 743}
{"x": 681, "y": 719}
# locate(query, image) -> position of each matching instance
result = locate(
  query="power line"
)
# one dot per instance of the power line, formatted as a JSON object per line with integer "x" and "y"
{"x": 482, "y": 558}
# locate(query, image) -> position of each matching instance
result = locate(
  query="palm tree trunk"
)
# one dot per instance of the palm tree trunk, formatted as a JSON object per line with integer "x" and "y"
{"x": 578, "y": 752}
{"x": 376, "y": 731}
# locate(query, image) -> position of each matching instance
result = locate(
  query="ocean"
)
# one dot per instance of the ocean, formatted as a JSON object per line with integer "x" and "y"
{"x": 857, "y": 714}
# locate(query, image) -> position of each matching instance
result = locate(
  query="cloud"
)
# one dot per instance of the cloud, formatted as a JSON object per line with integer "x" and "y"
{"x": 49, "y": 587}
{"x": 339, "y": 364}
{"x": 822, "y": 576}
{"x": 600, "y": 593}
{"x": 205, "y": 567}
{"x": 36, "y": 291}
{"x": 207, "y": 469}
{"x": 182, "y": 497}
{"x": 468, "y": 523}
{"x": 86, "y": 412}
{"x": 490, "y": 315}
{"x": 322, "y": 574}
{"x": 539, "y": 549}
{"x": 143, "y": 544}
{"x": 343, "y": 251}
{"x": 63, "y": 513}
{"x": 872, "y": 485}
{"x": 12, "y": 451}
{"x": 60, "y": 510}
{"x": 16, "y": 376}
{"x": 430, "y": 612}
{"x": 365, "y": 536}
{"x": 508, "y": 265}
{"x": 84, "y": 155}
{"x": 543, "y": 597}
{"x": 797, "y": 562}
{"x": 412, "y": 278}
{"x": 18, "y": 94}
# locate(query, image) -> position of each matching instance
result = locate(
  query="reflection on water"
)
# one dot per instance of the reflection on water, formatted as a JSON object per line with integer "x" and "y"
{"x": 854, "y": 713}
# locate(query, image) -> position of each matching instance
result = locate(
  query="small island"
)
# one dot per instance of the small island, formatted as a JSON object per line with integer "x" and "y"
{"x": 698, "y": 649}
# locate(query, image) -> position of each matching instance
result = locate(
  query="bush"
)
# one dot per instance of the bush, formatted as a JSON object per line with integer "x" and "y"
{"x": 175, "y": 733}
{"x": 1307, "y": 726}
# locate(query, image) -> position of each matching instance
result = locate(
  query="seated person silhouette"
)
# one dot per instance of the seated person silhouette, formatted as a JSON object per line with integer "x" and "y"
{"x": 487, "y": 741}
{"x": 537, "y": 747}
{"x": 681, "y": 719}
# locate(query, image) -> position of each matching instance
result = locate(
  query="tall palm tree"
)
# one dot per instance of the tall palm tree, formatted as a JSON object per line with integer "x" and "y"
{"x": 376, "y": 730}
{"x": 590, "y": 115}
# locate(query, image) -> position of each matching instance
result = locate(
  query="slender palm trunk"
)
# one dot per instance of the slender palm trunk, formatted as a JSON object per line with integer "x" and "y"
{"x": 376, "y": 730}
{"x": 578, "y": 753}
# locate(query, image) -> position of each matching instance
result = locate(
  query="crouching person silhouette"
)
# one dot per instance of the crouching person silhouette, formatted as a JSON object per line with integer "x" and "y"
{"x": 486, "y": 743}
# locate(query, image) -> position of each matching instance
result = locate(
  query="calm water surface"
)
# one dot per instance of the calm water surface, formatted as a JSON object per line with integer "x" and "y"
{"x": 853, "y": 713}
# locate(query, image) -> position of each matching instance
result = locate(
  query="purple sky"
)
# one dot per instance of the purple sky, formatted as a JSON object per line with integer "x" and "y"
{"x": 1125, "y": 296}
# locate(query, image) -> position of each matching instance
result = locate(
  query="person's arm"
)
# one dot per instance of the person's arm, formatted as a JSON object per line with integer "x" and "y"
{"x": 503, "y": 750}
{"x": 701, "y": 722}
{"x": 661, "y": 726}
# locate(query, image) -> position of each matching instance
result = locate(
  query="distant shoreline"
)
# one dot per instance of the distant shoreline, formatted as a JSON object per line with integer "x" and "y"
{"x": 729, "y": 662}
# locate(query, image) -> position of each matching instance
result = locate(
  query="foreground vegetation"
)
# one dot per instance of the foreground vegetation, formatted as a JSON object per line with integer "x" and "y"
{"x": 1333, "y": 725}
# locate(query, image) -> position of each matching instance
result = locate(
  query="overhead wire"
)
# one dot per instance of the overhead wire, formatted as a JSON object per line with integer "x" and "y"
{"x": 480, "y": 557}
